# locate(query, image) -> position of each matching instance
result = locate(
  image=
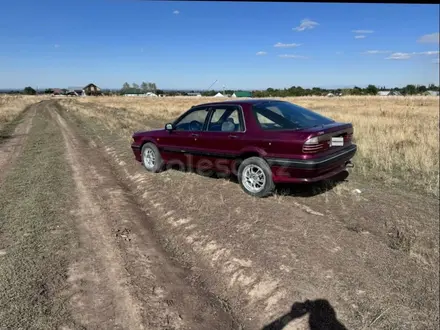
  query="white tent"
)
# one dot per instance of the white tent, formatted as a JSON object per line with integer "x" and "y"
{"x": 218, "y": 95}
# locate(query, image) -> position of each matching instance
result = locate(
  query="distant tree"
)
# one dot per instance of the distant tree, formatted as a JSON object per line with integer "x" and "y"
{"x": 317, "y": 91}
{"x": 29, "y": 91}
{"x": 209, "y": 93}
{"x": 356, "y": 91}
{"x": 48, "y": 91}
{"x": 433, "y": 87}
{"x": 421, "y": 89}
{"x": 410, "y": 90}
{"x": 125, "y": 86}
{"x": 145, "y": 87}
{"x": 134, "y": 86}
{"x": 371, "y": 90}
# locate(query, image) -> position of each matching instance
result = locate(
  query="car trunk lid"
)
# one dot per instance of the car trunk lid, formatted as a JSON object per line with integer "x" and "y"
{"x": 327, "y": 138}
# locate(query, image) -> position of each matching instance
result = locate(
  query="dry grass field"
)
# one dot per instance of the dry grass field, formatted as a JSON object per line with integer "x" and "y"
{"x": 12, "y": 105}
{"x": 398, "y": 137}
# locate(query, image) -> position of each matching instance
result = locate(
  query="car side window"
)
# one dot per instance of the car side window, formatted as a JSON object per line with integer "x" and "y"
{"x": 266, "y": 122}
{"x": 225, "y": 119}
{"x": 193, "y": 121}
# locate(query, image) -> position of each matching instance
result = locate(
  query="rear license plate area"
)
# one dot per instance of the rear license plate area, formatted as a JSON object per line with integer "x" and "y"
{"x": 337, "y": 141}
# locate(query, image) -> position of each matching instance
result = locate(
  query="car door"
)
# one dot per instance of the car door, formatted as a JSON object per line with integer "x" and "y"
{"x": 178, "y": 145}
{"x": 222, "y": 139}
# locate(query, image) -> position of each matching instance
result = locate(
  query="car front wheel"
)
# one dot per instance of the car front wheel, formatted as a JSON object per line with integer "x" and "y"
{"x": 151, "y": 158}
{"x": 255, "y": 177}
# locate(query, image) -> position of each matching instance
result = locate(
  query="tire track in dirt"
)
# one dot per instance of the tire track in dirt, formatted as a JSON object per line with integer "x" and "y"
{"x": 121, "y": 279}
{"x": 14, "y": 144}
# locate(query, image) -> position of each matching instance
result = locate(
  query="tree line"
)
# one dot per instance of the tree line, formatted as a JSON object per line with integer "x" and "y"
{"x": 146, "y": 87}
{"x": 369, "y": 90}
{"x": 317, "y": 91}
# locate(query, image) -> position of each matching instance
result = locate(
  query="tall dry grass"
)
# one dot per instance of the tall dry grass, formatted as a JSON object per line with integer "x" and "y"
{"x": 398, "y": 137}
{"x": 12, "y": 105}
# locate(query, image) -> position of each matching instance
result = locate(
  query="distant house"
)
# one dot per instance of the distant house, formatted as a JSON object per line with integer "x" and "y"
{"x": 92, "y": 89}
{"x": 330, "y": 95}
{"x": 57, "y": 91}
{"x": 76, "y": 91}
{"x": 219, "y": 95}
{"x": 431, "y": 93}
{"x": 242, "y": 94}
{"x": 194, "y": 94}
{"x": 389, "y": 93}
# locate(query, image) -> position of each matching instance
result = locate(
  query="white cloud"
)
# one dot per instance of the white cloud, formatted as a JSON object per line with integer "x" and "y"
{"x": 362, "y": 31}
{"x": 261, "y": 53}
{"x": 432, "y": 52}
{"x": 399, "y": 56}
{"x": 292, "y": 56}
{"x": 279, "y": 44}
{"x": 176, "y": 12}
{"x": 430, "y": 38}
{"x": 377, "y": 52}
{"x": 56, "y": 46}
{"x": 359, "y": 37}
{"x": 306, "y": 24}
{"x": 406, "y": 56}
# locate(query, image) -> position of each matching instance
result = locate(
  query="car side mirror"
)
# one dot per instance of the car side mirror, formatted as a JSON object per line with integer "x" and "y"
{"x": 169, "y": 127}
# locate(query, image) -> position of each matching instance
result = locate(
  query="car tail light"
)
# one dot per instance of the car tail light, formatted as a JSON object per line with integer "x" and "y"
{"x": 313, "y": 145}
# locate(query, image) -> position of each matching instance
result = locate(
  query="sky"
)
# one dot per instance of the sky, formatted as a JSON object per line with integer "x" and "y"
{"x": 189, "y": 45}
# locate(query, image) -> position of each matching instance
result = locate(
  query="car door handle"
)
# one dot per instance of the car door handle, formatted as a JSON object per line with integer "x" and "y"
{"x": 194, "y": 135}
{"x": 233, "y": 136}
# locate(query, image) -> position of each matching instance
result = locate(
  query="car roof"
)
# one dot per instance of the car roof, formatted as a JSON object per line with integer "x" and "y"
{"x": 240, "y": 102}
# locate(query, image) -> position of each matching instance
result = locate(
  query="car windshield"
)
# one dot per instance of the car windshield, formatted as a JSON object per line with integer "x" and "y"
{"x": 284, "y": 115}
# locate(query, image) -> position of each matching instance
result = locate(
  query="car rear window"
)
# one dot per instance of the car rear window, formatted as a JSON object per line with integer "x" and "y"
{"x": 286, "y": 115}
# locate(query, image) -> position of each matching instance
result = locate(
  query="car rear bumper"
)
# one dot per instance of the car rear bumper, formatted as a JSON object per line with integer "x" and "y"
{"x": 294, "y": 177}
{"x": 298, "y": 170}
{"x": 315, "y": 164}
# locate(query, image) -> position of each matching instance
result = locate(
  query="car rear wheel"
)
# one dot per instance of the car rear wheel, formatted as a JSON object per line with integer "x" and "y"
{"x": 151, "y": 158}
{"x": 255, "y": 177}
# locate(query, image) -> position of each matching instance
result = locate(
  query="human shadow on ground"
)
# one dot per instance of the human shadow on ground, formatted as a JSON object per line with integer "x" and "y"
{"x": 322, "y": 316}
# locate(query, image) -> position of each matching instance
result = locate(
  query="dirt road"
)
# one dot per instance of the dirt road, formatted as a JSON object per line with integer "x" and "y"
{"x": 132, "y": 250}
{"x": 116, "y": 275}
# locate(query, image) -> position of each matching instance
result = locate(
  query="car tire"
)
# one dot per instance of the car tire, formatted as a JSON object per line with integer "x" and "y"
{"x": 156, "y": 165}
{"x": 258, "y": 166}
